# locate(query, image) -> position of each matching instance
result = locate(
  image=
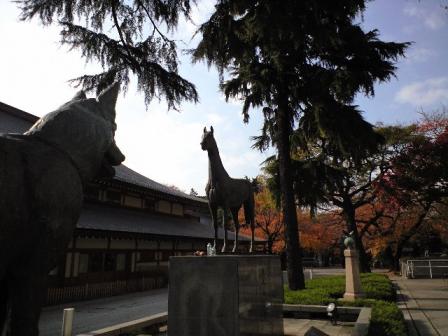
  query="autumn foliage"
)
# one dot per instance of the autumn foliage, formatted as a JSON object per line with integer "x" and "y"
{"x": 268, "y": 220}
{"x": 400, "y": 201}
{"x": 317, "y": 234}
{"x": 417, "y": 184}
{"x": 320, "y": 233}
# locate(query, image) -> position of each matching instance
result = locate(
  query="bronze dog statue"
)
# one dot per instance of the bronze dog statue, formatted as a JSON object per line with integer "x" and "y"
{"x": 42, "y": 174}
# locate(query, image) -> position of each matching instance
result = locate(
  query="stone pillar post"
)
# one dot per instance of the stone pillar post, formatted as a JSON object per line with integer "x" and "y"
{"x": 352, "y": 278}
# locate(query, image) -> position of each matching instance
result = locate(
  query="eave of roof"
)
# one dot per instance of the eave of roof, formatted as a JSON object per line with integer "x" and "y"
{"x": 127, "y": 175}
{"x": 104, "y": 218}
{"x": 18, "y": 113}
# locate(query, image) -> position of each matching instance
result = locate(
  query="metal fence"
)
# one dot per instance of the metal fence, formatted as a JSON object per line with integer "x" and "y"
{"x": 92, "y": 291}
{"x": 425, "y": 268}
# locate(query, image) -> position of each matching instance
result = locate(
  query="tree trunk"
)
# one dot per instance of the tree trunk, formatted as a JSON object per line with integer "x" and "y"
{"x": 270, "y": 245}
{"x": 296, "y": 279}
{"x": 404, "y": 238}
{"x": 349, "y": 213}
{"x": 397, "y": 256}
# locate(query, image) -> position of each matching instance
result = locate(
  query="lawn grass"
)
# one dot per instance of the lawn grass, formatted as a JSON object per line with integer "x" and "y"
{"x": 386, "y": 319}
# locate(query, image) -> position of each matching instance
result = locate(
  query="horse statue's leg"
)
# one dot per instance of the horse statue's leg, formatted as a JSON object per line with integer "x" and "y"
{"x": 214, "y": 213}
{"x": 224, "y": 224}
{"x": 252, "y": 229}
{"x": 249, "y": 217}
{"x": 237, "y": 228}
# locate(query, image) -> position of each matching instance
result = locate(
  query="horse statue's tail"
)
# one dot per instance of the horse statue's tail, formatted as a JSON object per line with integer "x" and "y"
{"x": 249, "y": 216}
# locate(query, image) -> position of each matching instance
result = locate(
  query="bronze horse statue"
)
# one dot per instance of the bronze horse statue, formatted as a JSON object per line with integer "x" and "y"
{"x": 42, "y": 175}
{"x": 227, "y": 193}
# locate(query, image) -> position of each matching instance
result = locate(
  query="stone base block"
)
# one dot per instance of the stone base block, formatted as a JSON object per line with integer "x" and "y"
{"x": 353, "y": 296}
{"x": 225, "y": 296}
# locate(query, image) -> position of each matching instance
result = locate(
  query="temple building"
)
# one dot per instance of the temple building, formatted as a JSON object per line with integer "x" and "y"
{"x": 129, "y": 227}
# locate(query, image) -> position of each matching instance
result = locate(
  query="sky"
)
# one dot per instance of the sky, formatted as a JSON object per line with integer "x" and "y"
{"x": 164, "y": 145}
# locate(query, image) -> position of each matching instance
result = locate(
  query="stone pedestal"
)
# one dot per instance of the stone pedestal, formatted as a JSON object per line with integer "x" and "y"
{"x": 352, "y": 277}
{"x": 225, "y": 296}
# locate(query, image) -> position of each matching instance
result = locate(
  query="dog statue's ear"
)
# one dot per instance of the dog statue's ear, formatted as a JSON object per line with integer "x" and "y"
{"x": 108, "y": 98}
{"x": 211, "y": 129}
{"x": 205, "y": 129}
{"x": 80, "y": 95}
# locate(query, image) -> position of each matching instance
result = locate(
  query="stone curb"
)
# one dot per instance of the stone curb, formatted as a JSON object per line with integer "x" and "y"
{"x": 362, "y": 323}
{"x": 130, "y": 326}
{"x": 319, "y": 309}
{"x": 361, "y": 327}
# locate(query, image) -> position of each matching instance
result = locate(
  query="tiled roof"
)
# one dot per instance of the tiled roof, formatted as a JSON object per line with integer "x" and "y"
{"x": 126, "y": 174}
{"x": 14, "y": 120}
{"x": 105, "y": 218}
{"x": 31, "y": 118}
{"x": 100, "y": 217}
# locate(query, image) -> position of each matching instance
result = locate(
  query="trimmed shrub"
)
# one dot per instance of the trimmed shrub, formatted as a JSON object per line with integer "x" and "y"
{"x": 309, "y": 296}
{"x": 386, "y": 319}
{"x": 378, "y": 286}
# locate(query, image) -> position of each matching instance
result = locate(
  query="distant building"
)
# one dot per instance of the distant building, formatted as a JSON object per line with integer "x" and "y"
{"x": 128, "y": 229}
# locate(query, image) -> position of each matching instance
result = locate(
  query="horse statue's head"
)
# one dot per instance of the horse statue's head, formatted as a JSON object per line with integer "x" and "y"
{"x": 208, "y": 141}
{"x": 84, "y": 128}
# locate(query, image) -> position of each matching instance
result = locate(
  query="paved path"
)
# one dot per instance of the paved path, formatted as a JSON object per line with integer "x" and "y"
{"x": 100, "y": 313}
{"x": 424, "y": 303}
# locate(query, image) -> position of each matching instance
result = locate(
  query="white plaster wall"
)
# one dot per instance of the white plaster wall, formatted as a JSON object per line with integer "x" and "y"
{"x": 132, "y": 201}
{"x": 166, "y": 245}
{"x": 146, "y": 245}
{"x": 184, "y": 245}
{"x": 68, "y": 265}
{"x": 163, "y": 206}
{"x": 128, "y": 244}
{"x": 178, "y": 209}
{"x": 100, "y": 243}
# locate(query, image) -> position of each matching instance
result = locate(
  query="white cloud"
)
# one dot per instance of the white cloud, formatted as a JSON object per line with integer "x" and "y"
{"x": 239, "y": 163}
{"x": 34, "y": 70}
{"x": 199, "y": 14}
{"x": 214, "y": 119}
{"x": 410, "y": 10}
{"x": 419, "y": 55}
{"x": 434, "y": 18}
{"x": 429, "y": 92}
{"x": 164, "y": 147}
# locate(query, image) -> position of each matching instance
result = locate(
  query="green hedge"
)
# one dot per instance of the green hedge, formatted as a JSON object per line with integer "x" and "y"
{"x": 386, "y": 318}
{"x": 378, "y": 287}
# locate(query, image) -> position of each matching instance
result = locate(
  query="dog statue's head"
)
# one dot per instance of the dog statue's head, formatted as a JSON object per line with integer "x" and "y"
{"x": 85, "y": 129}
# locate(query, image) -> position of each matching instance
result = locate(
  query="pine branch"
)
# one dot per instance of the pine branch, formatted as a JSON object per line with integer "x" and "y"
{"x": 155, "y": 28}
{"x": 131, "y": 53}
